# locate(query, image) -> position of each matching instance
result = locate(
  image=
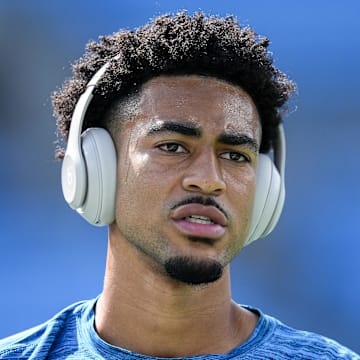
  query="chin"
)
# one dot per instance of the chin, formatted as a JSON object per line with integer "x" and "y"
{"x": 193, "y": 271}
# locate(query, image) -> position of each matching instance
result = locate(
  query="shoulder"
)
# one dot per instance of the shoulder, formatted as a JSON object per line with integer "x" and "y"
{"x": 42, "y": 339}
{"x": 272, "y": 339}
{"x": 304, "y": 344}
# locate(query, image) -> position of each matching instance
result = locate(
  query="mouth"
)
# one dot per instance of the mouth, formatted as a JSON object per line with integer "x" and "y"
{"x": 198, "y": 219}
{"x": 201, "y": 221}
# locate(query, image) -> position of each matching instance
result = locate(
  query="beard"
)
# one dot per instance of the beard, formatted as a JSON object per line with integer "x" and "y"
{"x": 193, "y": 271}
{"x": 187, "y": 269}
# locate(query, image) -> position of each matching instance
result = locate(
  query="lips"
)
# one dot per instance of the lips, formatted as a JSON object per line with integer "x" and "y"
{"x": 200, "y": 221}
{"x": 211, "y": 212}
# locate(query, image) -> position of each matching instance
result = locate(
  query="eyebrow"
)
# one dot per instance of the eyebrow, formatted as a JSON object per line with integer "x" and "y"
{"x": 187, "y": 129}
{"x": 190, "y": 129}
{"x": 239, "y": 139}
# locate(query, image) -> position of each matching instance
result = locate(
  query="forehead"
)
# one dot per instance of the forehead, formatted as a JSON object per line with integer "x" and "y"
{"x": 192, "y": 96}
{"x": 204, "y": 101}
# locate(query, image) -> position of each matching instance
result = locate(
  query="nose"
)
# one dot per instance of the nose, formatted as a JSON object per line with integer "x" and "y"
{"x": 204, "y": 175}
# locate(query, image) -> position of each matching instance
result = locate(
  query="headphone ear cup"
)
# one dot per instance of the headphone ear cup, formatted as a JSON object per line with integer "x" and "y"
{"x": 268, "y": 201}
{"x": 100, "y": 161}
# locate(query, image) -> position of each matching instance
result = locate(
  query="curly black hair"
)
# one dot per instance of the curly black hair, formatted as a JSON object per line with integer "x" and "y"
{"x": 177, "y": 44}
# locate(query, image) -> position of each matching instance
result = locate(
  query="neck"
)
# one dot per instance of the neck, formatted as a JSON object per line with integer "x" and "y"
{"x": 143, "y": 310}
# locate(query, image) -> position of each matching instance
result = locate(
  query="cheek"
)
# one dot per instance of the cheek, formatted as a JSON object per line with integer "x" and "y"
{"x": 242, "y": 184}
{"x": 241, "y": 193}
{"x": 139, "y": 184}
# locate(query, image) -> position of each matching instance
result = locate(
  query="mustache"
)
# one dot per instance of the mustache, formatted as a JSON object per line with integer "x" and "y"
{"x": 208, "y": 201}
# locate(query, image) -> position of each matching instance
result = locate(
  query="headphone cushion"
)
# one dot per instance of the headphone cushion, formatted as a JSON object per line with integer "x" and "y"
{"x": 100, "y": 161}
{"x": 268, "y": 201}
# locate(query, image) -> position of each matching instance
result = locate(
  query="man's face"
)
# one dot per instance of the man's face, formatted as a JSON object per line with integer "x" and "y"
{"x": 186, "y": 175}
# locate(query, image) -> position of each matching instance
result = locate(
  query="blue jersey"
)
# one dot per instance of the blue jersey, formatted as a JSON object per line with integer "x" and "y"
{"x": 71, "y": 335}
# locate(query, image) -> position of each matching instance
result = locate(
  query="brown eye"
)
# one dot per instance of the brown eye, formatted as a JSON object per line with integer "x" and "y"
{"x": 172, "y": 148}
{"x": 235, "y": 156}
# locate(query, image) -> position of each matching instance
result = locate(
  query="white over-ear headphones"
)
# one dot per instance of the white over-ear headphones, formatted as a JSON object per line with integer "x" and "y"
{"x": 270, "y": 190}
{"x": 88, "y": 174}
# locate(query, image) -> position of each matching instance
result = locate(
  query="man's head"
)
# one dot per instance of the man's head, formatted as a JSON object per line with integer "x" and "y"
{"x": 189, "y": 102}
{"x": 180, "y": 44}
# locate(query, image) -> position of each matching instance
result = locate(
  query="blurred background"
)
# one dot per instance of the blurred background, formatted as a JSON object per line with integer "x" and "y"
{"x": 307, "y": 272}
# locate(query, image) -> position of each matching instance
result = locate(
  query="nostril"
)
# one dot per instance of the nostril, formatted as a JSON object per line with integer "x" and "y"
{"x": 204, "y": 186}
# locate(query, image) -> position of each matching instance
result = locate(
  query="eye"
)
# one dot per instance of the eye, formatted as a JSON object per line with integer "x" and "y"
{"x": 172, "y": 148}
{"x": 235, "y": 156}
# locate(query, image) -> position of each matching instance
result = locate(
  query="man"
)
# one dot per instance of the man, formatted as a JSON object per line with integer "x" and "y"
{"x": 188, "y": 102}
